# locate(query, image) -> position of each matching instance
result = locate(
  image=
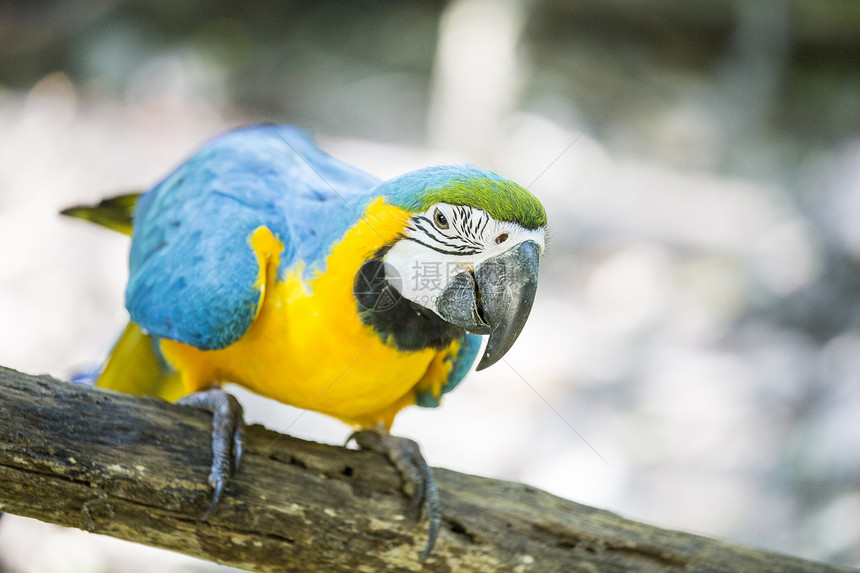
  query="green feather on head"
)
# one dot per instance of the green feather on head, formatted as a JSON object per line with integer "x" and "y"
{"x": 470, "y": 186}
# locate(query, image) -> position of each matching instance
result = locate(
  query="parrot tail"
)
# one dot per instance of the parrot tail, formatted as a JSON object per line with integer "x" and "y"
{"x": 135, "y": 366}
{"x": 114, "y": 213}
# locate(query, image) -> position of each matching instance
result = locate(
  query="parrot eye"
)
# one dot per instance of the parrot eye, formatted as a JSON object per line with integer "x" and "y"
{"x": 440, "y": 219}
{"x": 501, "y": 238}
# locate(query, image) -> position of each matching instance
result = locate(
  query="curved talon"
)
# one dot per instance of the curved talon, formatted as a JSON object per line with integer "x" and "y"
{"x": 216, "y": 495}
{"x": 228, "y": 437}
{"x": 433, "y": 511}
{"x": 429, "y": 499}
{"x": 417, "y": 501}
{"x": 417, "y": 476}
{"x": 238, "y": 442}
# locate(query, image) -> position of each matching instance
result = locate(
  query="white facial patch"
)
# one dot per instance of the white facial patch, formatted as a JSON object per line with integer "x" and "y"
{"x": 444, "y": 241}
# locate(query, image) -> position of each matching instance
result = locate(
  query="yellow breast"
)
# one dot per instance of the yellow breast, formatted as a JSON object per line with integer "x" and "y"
{"x": 307, "y": 346}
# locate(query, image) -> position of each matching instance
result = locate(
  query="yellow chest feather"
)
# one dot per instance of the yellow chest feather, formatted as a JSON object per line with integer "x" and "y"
{"x": 307, "y": 346}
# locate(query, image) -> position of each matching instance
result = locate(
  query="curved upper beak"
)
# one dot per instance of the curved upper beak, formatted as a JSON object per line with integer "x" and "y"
{"x": 496, "y": 299}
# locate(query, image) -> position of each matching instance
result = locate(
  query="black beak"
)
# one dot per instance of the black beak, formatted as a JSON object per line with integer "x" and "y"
{"x": 459, "y": 304}
{"x": 495, "y": 300}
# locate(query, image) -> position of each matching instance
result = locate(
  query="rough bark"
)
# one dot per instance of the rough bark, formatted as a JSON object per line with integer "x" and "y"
{"x": 135, "y": 468}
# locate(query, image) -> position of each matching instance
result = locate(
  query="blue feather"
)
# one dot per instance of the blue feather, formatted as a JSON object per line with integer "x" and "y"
{"x": 460, "y": 368}
{"x": 191, "y": 273}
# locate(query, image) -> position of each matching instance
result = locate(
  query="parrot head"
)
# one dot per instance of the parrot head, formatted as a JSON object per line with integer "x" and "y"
{"x": 467, "y": 259}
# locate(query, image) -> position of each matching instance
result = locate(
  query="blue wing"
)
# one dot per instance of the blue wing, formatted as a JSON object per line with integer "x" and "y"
{"x": 192, "y": 272}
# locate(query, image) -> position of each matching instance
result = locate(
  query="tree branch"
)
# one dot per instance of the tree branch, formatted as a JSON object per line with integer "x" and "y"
{"x": 135, "y": 468}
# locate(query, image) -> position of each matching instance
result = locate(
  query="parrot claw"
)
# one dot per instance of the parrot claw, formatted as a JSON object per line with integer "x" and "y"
{"x": 216, "y": 495}
{"x": 417, "y": 475}
{"x": 228, "y": 437}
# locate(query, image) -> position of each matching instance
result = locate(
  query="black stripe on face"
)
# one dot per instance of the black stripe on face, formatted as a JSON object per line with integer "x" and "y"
{"x": 439, "y": 238}
{"x": 463, "y": 243}
{"x": 460, "y": 249}
{"x": 435, "y": 234}
{"x": 471, "y": 224}
{"x": 484, "y": 226}
{"x": 466, "y": 224}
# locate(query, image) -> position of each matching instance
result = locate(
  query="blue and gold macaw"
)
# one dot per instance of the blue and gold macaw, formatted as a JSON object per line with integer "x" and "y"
{"x": 265, "y": 262}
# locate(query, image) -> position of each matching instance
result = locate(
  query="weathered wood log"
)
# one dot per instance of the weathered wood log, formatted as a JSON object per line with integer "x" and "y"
{"x": 135, "y": 468}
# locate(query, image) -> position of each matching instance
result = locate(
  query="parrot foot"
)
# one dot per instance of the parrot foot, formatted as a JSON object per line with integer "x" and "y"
{"x": 418, "y": 480}
{"x": 228, "y": 437}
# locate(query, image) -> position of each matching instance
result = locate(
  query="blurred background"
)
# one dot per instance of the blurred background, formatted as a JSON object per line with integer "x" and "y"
{"x": 693, "y": 356}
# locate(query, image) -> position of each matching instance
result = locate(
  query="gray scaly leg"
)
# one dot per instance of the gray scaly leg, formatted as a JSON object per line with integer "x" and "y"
{"x": 418, "y": 481}
{"x": 228, "y": 436}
